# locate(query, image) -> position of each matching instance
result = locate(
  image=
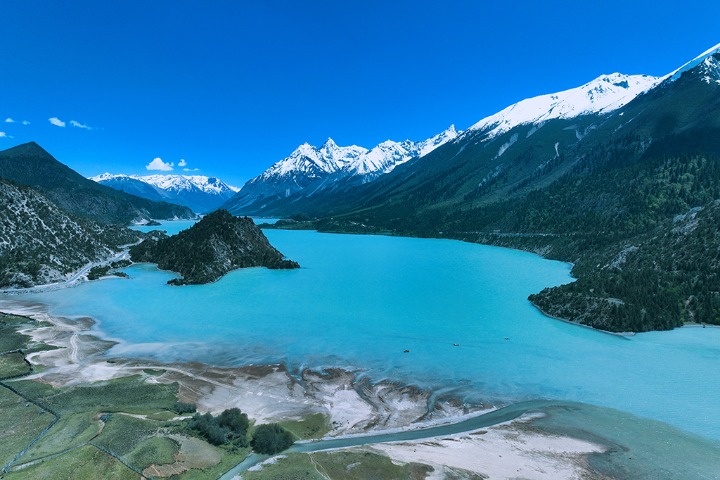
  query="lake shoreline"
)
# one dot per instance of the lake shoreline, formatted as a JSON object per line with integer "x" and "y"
{"x": 355, "y": 408}
{"x": 270, "y": 393}
{"x": 366, "y": 406}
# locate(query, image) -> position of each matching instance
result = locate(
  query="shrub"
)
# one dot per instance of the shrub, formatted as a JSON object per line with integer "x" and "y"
{"x": 228, "y": 427}
{"x": 271, "y": 439}
{"x": 236, "y": 421}
{"x": 181, "y": 408}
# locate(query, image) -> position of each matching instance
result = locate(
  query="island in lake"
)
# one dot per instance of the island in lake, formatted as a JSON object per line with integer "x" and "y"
{"x": 216, "y": 245}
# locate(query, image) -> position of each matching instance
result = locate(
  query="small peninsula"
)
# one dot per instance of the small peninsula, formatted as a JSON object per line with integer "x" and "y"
{"x": 214, "y": 246}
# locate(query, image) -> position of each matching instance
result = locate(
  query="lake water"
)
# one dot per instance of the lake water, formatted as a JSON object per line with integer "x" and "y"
{"x": 360, "y": 301}
{"x": 171, "y": 227}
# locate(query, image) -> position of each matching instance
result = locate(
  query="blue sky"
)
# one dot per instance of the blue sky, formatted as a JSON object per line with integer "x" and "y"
{"x": 233, "y": 86}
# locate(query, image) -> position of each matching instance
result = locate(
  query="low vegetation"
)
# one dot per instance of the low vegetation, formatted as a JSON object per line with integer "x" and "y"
{"x": 311, "y": 427}
{"x": 13, "y": 364}
{"x": 341, "y": 465}
{"x": 183, "y": 408}
{"x": 20, "y": 423}
{"x": 121, "y": 428}
{"x": 10, "y": 338}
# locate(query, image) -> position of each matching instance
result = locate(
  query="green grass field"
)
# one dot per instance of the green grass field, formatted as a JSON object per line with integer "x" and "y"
{"x": 20, "y": 423}
{"x": 84, "y": 463}
{"x": 339, "y": 465}
{"x": 10, "y": 339}
{"x": 127, "y": 394}
{"x": 122, "y": 434}
{"x": 310, "y": 427}
{"x": 13, "y": 364}
{"x": 153, "y": 451}
{"x": 94, "y": 419}
{"x": 70, "y": 432}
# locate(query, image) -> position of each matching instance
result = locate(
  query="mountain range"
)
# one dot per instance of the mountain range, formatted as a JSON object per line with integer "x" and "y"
{"x": 311, "y": 173}
{"x": 600, "y": 175}
{"x": 620, "y": 176}
{"x": 311, "y": 177}
{"x": 200, "y": 193}
{"x": 54, "y": 223}
{"x": 29, "y": 164}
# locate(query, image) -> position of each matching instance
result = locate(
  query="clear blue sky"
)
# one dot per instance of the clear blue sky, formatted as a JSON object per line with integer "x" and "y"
{"x": 233, "y": 86}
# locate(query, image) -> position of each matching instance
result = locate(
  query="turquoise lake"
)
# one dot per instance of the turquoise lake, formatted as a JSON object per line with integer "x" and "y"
{"x": 359, "y": 301}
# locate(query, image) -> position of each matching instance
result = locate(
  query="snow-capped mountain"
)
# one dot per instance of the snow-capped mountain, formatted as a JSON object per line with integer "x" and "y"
{"x": 179, "y": 183}
{"x": 315, "y": 162}
{"x": 705, "y": 57}
{"x": 388, "y": 155}
{"x": 509, "y": 139}
{"x": 602, "y": 95}
{"x": 309, "y": 169}
{"x": 202, "y": 194}
{"x": 608, "y": 123}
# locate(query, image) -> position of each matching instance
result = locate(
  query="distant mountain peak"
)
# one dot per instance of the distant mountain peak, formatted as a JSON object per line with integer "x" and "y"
{"x": 329, "y": 143}
{"x": 200, "y": 193}
{"x": 30, "y": 164}
{"x": 310, "y": 170}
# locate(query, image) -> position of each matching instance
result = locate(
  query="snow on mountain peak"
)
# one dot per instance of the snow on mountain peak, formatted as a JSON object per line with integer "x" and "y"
{"x": 707, "y": 54}
{"x": 329, "y": 144}
{"x": 353, "y": 160}
{"x": 604, "y": 94}
{"x": 174, "y": 182}
{"x": 441, "y": 138}
{"x": 106, "y": 176}
{"x": 711, "y": 70}
{"x": 329, "y": 158}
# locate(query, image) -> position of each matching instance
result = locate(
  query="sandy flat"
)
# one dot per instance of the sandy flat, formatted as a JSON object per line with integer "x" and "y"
{"x": 501, "y": 452}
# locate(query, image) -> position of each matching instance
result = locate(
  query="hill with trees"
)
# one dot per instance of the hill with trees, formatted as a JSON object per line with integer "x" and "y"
{"x": 211, "y": 248}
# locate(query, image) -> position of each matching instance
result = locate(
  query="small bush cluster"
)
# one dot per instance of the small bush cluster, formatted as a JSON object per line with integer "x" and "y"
{"x": 271, "y": 439}
{"x": 181, "y": 408}
{"x": 228, "y": 427}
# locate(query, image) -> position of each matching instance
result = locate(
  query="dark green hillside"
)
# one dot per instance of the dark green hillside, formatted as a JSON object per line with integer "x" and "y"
{"x": 655, "y": 281}
{"x": 29, "y": 164}
{"x": 211, "y": 248}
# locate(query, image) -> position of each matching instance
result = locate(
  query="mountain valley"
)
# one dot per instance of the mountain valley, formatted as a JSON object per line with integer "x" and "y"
{"x": 601, "y": 175}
